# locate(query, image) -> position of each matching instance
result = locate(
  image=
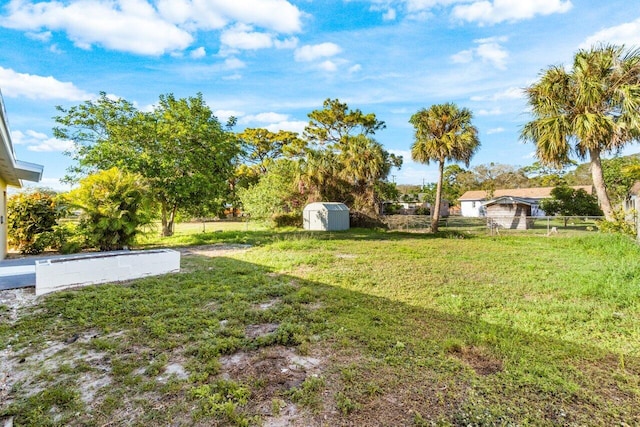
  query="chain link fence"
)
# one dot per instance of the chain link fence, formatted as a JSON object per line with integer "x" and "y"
{"x": 495, "y": 225}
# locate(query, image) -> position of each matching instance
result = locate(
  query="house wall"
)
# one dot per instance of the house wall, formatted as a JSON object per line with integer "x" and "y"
{"x": 3, "y": 218}
{"x": 511, "y": 216}
{"x": 471, "y": 208}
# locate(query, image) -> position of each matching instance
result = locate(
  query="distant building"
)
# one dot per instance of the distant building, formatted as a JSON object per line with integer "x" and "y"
{"x": 474, "y": 203}
{"x": 12, "y": 173}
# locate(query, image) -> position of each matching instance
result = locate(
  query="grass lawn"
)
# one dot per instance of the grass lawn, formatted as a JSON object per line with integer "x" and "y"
{"x": 346, "y": 328}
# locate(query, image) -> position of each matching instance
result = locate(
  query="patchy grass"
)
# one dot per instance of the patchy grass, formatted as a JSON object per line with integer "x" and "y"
{"x": 351, "y": 328}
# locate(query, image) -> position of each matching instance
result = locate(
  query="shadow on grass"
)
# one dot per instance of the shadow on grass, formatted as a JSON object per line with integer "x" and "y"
{"x": 262, "y": 237}
{"x": 381, "y": 362}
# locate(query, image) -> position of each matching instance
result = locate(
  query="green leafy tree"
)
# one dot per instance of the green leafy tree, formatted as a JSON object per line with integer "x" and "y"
{"x": 115, "y": 205}
{"x": 443, "y": 133}
{"x": 180, "y": 149}
{"x": 567, "y": 201}
{"x": 347, "y": 164}
{"x": 31, "y": 219}
{"x": 619, "y": 176}
{"x": 277, "y": 192}
{"x": 593, "y": 108}
{"x": 335, "y": 122}
{"x": 260, "y": 147}
{"x": 541, "y": 175}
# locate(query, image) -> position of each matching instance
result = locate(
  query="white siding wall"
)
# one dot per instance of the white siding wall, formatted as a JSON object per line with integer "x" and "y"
{"x": 470, "y": 208}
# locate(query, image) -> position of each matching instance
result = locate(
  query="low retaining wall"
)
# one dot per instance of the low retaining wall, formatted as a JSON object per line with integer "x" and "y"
{"x": 57, "y": 274}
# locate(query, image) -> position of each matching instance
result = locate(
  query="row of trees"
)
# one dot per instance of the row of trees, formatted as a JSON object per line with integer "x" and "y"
{"x": 179, "y": 159}
{"x": 187, "y": 162}
{"x": 590, "y": 110}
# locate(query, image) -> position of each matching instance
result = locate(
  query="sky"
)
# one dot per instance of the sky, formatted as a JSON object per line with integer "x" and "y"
{"x": 271, "y": 62}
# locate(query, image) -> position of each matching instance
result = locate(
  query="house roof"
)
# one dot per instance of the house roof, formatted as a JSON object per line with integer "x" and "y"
{"x": 527, "y": 193}
{"x": 508, "y": 200}
{"x": 13, "y": 171}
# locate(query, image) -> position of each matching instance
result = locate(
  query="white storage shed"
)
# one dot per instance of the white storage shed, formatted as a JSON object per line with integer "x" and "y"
{"x": 325, "y": 216}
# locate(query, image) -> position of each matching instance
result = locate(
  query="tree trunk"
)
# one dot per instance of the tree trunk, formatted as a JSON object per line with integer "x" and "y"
{"x": 599, "y": 185}
{"x": 167, "y": 220}
{"x": 435, "y": 214}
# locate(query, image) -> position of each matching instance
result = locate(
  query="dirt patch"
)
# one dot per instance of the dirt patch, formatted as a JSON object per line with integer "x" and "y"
{"x": 255, "y": 331}
{"x": 14, "y": 300}
{"x": 267, "y": 305}
{"x": 277, "y": 369}
{"x": 479, "y": 359}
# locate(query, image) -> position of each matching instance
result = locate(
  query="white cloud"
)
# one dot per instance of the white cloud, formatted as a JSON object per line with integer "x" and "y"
{"x": 488, "y": 50}
{"x": 225, "y": 115}
{"x": 31, "y": 86}
{"x": 124, "y": 25}
{"x": 291, "y": 126}
{"x": 627, "y": 34}
{"x": 355, "y": 68}
{"x": 233, "y": 64}
{"x": 43, "y": 36}
{"x": 389, "y": 15}
{"x": 276, "y": 15}
{"x": 269, "y": 117}
{"x": 495, "y": 130}
{"x": 463, "y": 57}
{"x": 510, "y": 93}
{"x": 151, "y": 27}
{"x": 198, "y": 53}
{"x": 493, "y": 12}
{"x": 492, "y": 112}
{"x": 40, "y": 142}
{"x": 308, "y": 53}
{"x": 242, "y": 36}
{"x": 329, "y": 66}
{"x": 290, "y": 43}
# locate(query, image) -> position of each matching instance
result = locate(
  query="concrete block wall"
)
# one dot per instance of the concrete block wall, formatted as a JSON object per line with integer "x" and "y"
{"x": 57, "y": 274}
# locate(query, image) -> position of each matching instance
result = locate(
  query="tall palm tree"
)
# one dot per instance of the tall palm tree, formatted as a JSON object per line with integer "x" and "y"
{"x": 592, "y": 109}
{"x": 364, "y": 163}
{"x": 443, "y": 133}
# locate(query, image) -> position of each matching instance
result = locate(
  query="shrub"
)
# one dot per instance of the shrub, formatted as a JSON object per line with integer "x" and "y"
{"x": 115, "y": 205}
{"x": 31, "y": 218}
{"x": 288, "y": 220}
{"x": 620, "y": 224}
{"x": 362, "y": 220}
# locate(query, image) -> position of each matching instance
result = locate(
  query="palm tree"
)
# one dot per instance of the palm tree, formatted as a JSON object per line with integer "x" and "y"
{"x": 443, "y": 133}
{"x": 364, "y": 163}
{"x": 587, "y": 111}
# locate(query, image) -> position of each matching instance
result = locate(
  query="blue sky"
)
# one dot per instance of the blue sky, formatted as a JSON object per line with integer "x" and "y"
{"x": 270, "y": 62}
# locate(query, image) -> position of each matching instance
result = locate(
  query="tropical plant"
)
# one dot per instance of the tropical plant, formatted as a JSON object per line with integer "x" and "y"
{"x": 115, "y": 205}
{"x": 443, "y": 133}
{"x": 31, "y": 220}
{"x": 592, "y": 109}
{"x": 346, "y": 164}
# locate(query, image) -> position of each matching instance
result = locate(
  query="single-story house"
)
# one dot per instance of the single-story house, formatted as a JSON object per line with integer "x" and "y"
{"x": 473, "y": 203}
{"x": 510, "y": 212}
{"x": 12, "y": 173}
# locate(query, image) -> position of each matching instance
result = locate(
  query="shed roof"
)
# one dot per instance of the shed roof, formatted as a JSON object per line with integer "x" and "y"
{"x": 327, "y": 206}
{"x": 528, "y": 193}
